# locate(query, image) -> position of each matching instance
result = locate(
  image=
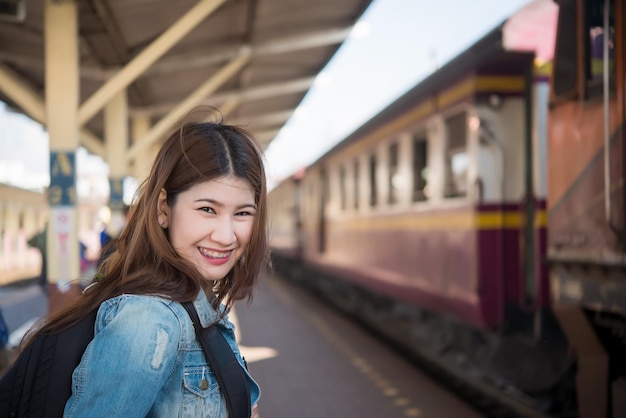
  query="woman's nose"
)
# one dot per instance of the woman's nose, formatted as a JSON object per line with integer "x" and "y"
{"x": 224, "y": 232}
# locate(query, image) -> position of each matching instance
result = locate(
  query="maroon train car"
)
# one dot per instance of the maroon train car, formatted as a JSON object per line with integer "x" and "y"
{"x": 429, "y": 221}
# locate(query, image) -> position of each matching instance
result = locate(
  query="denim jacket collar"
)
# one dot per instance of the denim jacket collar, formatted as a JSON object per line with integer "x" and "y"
{"x": 208, "y": 315}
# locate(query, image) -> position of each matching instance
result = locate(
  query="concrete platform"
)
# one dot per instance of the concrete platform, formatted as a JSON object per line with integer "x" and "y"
{"x": 313, "y": 362}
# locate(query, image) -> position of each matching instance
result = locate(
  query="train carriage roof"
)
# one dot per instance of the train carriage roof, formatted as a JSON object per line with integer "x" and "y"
{"x": 485, "y": 57}
{"x": 508, "y": 49}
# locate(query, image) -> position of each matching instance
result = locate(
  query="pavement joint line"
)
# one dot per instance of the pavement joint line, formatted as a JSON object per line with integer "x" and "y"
{"x": 363, "y": 366}
{"x": 357, "y": 361}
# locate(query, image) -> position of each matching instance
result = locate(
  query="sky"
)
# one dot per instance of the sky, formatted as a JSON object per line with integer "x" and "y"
{"x": 394, "y": 45}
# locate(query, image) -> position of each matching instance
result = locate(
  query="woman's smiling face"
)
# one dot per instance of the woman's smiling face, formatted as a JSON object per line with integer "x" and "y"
{"x": 210, "y": 224}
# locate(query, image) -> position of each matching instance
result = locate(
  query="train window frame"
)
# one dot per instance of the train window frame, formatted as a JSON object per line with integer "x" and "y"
{"x": 311, "y": 197}
{"x": 594, "y": 83}
{"x": 343, "y": 203}
{"x": 356, "y": 167}
{"x": 420, "y": 182}
{"x": 455, "y": 185}
{"x": 393, "y": 172}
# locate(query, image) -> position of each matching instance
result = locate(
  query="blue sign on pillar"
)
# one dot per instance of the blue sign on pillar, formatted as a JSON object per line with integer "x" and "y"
{"x": 116, "y": 197}
{"x": 62, "y": 191}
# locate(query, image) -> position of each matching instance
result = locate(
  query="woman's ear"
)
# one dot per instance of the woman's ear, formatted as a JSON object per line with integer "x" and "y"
{"x": 163, "y": 209}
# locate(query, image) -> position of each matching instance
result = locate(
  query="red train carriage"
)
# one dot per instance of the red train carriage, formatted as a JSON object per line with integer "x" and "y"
{"x": 442, "y": 242}
{"x": 22, "y": 214}
{"x": 586, "y": 198}
{"x": 429, "y": 220}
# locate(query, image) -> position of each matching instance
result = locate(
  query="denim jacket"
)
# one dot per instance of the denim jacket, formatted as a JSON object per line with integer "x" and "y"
{"x": 145, "y": 361}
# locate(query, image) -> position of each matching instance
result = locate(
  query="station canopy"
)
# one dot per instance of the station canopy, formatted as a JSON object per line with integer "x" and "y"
{"x": 254, "y": 60}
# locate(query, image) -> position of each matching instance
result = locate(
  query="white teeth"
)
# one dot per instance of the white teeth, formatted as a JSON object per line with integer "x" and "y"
{"x": 214, "y": 254}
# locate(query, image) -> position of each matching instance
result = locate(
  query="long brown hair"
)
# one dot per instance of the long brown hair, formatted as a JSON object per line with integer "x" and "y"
{"x": 143, "y": 261}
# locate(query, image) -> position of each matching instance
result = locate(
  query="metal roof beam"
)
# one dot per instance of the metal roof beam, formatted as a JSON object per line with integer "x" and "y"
{"x": 105, "y": 14}
{"x": 164, "y": 125}
{"x": 193, "y": 60}
{"x": 265, "y": 91}
{"x": 91, "y": 142}
{"x": 229, "y": 105}
{"x": 32, "y": 62}
{"x": 21, "y": 93}
{"x": 146, "y": 58}
{"x": 264, "y": 120}
{"x": 296, "y": 43}
{"x": 33, "y": 105}
{"x": 274, "y": 89}
{"x": 189, "y": 61}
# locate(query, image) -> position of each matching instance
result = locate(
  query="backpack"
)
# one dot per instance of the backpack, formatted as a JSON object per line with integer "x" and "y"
{"x": 39, "y": 383}
{"x": 4, "y": 332}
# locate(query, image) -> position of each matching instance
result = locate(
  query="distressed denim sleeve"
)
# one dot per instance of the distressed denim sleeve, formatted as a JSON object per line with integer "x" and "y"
{"x": 128, "y": 361}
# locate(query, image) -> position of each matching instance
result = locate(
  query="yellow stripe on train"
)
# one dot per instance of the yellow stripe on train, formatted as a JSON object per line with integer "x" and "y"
{"x": 441, "y": 221}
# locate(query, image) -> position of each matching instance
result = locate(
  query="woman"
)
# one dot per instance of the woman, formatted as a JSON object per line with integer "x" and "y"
{"x": 197, "y": 232}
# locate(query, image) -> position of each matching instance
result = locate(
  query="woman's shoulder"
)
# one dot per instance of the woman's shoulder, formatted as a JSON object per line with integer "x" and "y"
{"x": 141, "y": 309}
{"x": 156, "y": 301}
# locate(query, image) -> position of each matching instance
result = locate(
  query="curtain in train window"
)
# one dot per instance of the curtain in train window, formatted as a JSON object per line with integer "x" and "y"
{"x": 456, "y": 157}
{"x": 600, "y": 34}
{"x": 420, "y": 168}
{"x": 356, "y": 182}
{"x": 312, "y": 198}
{"x": 373, "y": 175}
{"x": 393, "y": 176}
{"x": 342, "y": 187}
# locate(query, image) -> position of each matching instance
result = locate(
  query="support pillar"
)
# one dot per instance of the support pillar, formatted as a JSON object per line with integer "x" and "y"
{"x": 142, "y": 164}
{"x": 62, "y": 101}
{"x": 116, "y": 146}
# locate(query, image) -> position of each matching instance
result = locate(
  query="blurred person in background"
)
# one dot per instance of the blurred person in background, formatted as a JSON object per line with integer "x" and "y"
{"x": 107, "y": 242}
{"x": 39, "y": 241}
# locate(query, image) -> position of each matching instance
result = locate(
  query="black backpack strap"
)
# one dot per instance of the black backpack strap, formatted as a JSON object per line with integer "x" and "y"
{"x": 221, "y": 359}
{"x": 68, "y": 352}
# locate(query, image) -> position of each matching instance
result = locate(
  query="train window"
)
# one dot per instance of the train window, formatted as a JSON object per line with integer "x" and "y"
{"x": 456, "y": 157}
{"x": 342, "y": 187}
{"x": 420, "y": 168}
{"x": 393, "y": 175}
{"x": 595, "y": 43}
{"x": 355, "y": 173}
{"x": 373, "y": 188}
{"x": 565, "y": 68}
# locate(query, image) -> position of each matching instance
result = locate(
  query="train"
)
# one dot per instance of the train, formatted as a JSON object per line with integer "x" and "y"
{"x": 478, "y": 219}
{"x": 22, "y": 214}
